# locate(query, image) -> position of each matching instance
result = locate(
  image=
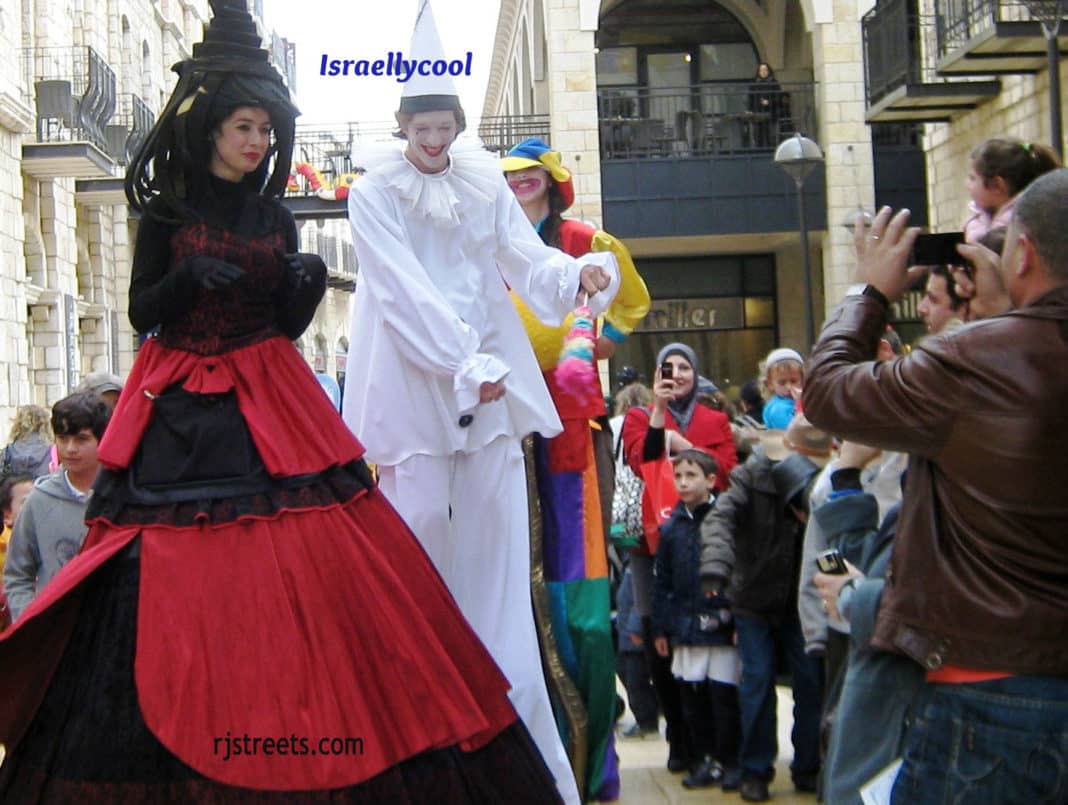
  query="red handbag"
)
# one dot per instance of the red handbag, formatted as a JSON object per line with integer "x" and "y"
{"x": 659, "y": 499}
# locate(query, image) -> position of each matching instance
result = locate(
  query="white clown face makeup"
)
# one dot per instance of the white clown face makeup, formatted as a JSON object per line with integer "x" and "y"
{"x": 429, "y": 136}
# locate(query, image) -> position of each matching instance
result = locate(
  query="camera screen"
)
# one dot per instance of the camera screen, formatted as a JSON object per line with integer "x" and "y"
{"x": 937, "y": 249}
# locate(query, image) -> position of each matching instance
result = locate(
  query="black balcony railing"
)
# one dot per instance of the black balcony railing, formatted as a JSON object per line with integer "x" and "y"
{"x": 701, "y": 120}
{"x": 324, "y": 153}
{"x": 128, "y": 128}
{"x": 499, "y": 134}
{"x": 895, "y": 38}
{"x": 961, "y": 20}
{"x": 74, "y": 93}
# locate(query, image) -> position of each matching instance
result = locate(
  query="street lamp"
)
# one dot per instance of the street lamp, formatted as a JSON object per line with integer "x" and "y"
{"x": 799, "y": 156}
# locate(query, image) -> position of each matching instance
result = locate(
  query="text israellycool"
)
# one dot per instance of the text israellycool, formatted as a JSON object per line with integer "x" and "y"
{"x": 394, "y": 65}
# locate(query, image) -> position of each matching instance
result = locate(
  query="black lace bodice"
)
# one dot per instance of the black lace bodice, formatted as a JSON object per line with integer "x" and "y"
{"x": 232, "y": 224}
{"x": 237, "y": 314}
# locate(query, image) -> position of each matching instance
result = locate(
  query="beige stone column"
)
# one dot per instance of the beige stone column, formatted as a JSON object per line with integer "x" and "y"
{"x": 49, "y": 324}
{"x": 838, "y": 59}
{"x": 572, "y": 96}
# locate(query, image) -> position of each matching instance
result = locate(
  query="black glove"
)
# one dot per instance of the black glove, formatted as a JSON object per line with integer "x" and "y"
{"x": 210, "y": 273}
{"x": 295, "y": 269}
{"x": 303, "y": 285}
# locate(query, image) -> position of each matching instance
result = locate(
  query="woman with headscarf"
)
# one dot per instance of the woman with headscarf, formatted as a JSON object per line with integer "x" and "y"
{"x": 675, "y": 421}
{"x": 249, "y": 619}
{"x": 672, "y": 423}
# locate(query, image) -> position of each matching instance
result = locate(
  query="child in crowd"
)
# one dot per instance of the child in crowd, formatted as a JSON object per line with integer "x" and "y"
{"x": 782, "y": 373}
{"x": 998, "y": 171}
{"x": 631, "y": 667}
{"x": 51, "y": 525}
{"x": 13, "y": 492}
{"x": 700, "y": 629}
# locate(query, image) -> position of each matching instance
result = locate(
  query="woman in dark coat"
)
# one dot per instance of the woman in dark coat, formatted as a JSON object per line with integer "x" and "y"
{"x": 768, "y": 104}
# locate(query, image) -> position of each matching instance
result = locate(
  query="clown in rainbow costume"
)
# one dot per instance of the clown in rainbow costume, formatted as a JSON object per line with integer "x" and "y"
{"x": 573, "y": 512}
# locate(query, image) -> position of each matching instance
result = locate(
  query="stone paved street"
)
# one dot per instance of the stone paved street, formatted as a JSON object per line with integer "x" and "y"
{"x": 646, "y": 780}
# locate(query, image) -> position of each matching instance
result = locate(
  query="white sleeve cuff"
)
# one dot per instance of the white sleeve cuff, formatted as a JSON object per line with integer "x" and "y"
{"x": 856, "y": 289}
{"x": 473, "y": 372}
{"x": 600, "y": 301}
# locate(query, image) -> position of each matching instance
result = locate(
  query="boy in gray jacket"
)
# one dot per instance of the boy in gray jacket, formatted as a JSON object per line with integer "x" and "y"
{"x": 51, "y": 526}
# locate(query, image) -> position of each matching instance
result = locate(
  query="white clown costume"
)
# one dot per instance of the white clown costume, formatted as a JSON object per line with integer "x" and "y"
{"x": 433, "y": 321}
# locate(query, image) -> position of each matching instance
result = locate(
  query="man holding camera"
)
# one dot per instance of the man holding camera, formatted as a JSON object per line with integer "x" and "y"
{"x": 977, "y": 584}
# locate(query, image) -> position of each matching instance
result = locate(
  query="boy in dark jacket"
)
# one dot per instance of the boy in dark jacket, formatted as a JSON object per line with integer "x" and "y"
{"x": 700, "y": 628}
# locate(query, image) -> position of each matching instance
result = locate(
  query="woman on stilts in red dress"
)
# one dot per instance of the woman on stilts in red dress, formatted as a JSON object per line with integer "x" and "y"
{"x": 249, "y": 620}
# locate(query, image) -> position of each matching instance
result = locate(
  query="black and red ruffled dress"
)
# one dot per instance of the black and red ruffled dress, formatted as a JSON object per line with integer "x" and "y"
{"x": 249, "y": 620}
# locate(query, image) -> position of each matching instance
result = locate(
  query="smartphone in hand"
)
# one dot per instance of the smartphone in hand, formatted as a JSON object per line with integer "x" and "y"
{"x": 937, "y": 249}
{"x": 667, "y": 371}
{"x": 831, "y": 561}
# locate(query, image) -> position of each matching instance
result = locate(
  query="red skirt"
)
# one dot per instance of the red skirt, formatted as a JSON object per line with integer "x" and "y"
{"x": 310, "y": 623}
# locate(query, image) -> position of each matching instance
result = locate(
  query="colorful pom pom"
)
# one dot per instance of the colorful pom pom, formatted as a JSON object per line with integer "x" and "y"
{"x": 575, "y": 372}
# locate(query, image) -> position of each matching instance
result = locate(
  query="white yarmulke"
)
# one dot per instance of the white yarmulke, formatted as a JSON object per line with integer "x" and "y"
{"x": 781, "y": 355}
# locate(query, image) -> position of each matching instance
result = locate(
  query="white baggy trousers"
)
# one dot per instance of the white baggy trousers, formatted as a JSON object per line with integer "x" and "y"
{"x": 469, "y": 510}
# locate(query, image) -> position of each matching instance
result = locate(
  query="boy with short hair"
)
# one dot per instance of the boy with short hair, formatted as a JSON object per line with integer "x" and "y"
{"x": 51, "y": 527}
{"x": 700, "y": 627}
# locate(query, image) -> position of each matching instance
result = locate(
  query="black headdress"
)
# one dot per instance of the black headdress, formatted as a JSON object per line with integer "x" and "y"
{"x": 228, "y": 69}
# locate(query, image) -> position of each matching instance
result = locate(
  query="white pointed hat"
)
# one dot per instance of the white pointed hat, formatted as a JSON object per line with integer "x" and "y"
{"x": 428, "y": 93}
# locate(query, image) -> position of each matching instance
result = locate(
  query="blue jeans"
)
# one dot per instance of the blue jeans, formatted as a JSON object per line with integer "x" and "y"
{"x": 757, "y": 641}
{"x": 1003, "y": 742}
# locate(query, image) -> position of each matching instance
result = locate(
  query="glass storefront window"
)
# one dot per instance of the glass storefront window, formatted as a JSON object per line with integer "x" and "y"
{"x": 731, "y": 61}
{"x": 616, "y": 66}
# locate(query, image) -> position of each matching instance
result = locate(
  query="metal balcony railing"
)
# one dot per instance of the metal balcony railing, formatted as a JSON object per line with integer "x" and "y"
{"x": 897, "y": 39}
{"x": 499, "y": 134}
{"x": 74, "y": 93}
{"x": 960, "y": 20}
{"x": 323, "y": 153}
{"x": 702, "y": 119}
{"x": 128, "y": 128}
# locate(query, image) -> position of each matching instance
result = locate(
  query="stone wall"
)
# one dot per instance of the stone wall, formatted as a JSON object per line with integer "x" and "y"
{"x": 1021, "y": 110}
{"x": 838, "y": 59}
{"x": 572, "y": 92}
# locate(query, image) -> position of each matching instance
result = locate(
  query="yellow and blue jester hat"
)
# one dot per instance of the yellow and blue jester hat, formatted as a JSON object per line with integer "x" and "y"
{"x": 536, "y": 153}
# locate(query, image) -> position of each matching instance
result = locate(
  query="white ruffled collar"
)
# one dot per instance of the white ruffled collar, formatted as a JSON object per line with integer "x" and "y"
{"x": 472, "y": 170}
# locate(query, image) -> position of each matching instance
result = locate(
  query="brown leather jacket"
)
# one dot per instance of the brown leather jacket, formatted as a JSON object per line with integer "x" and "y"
{"x": 979, "y": 575}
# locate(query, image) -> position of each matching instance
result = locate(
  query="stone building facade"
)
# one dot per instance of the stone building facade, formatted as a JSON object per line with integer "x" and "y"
{"x": 80, "y": 82}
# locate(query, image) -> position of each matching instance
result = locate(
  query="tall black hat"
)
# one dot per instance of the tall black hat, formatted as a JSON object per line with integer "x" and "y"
{"x": 228, "y": 69}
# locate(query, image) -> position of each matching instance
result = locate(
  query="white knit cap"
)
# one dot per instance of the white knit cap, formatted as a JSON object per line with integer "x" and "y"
{"x": 781, "y": 355}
